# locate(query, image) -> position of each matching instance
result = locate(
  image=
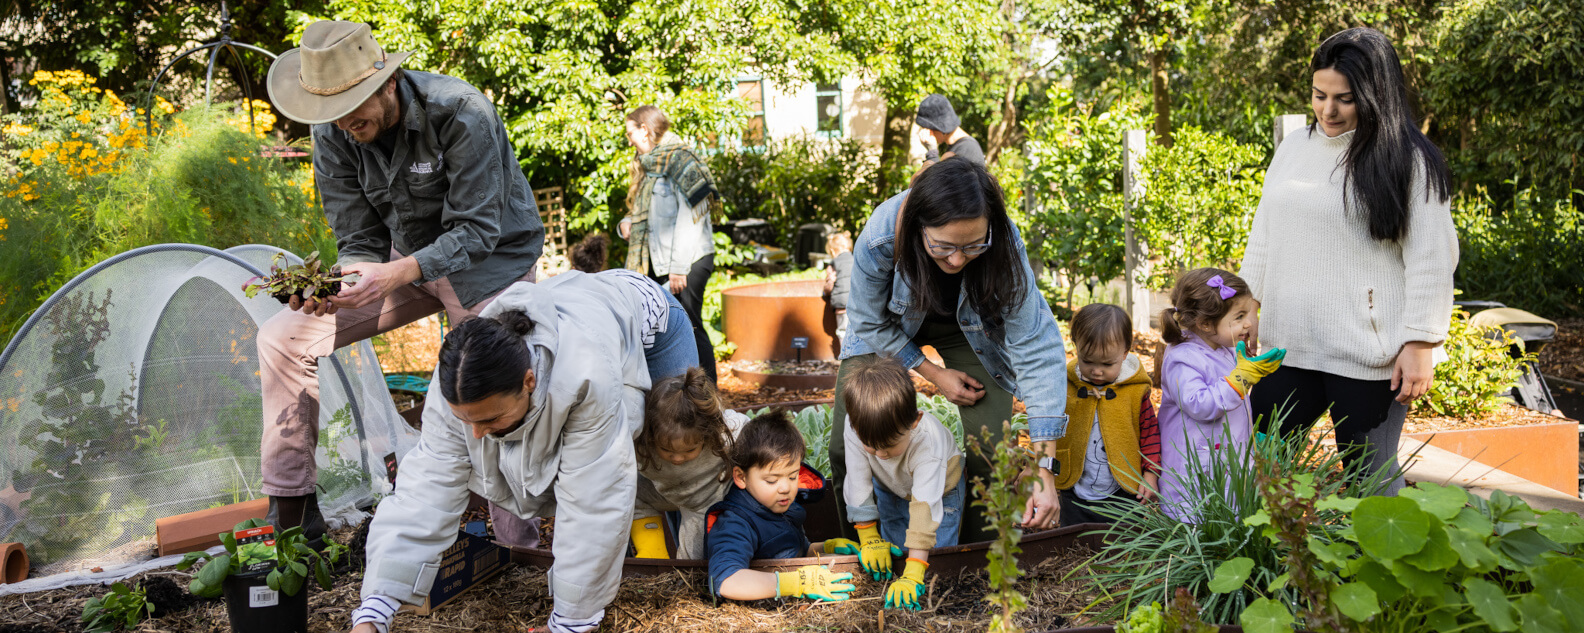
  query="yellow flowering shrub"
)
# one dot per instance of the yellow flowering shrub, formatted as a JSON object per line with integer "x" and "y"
{"x": 81, "y": 181}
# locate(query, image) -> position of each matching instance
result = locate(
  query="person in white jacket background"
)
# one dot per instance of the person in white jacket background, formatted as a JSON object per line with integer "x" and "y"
{"x": 534, "y": 406}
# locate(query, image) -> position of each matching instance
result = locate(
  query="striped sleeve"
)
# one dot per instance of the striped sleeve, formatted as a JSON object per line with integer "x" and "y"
{"x": 1149, "y": 436}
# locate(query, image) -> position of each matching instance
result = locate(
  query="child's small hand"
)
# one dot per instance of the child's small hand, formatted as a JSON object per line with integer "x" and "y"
{"x": 1150, "y": 491}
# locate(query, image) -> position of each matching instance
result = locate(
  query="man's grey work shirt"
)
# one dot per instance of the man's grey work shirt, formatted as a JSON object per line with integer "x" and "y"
{"x": 451, "y": 195}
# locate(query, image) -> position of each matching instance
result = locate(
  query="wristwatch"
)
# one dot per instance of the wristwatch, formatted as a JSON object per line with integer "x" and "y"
{"x": 1050, "y": 464}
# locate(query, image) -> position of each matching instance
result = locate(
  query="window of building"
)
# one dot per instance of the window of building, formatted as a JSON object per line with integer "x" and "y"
{"x": 751, "y": 90}
{"x": 828, "y": 110}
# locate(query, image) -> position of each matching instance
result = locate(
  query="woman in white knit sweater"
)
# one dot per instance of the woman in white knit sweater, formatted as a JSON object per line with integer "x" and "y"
{"x": 1351, "y": 255}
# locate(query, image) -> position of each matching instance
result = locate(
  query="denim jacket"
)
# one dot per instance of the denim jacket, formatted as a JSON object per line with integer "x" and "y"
{"x": 451, "y": 195}
{"x": 1030, "y": 362}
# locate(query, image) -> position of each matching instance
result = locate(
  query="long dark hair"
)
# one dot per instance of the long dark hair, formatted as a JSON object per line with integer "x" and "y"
{"x": 1386, "y": 146}
{"x": 484, "y": 357}
{"x": 960, "y": 190}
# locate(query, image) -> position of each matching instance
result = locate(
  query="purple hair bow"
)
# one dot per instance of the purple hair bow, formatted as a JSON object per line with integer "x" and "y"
{"x": 1220, "y": 285}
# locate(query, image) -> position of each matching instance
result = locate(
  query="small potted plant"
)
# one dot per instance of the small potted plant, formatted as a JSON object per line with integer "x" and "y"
{"x": 262, "y": 575}
{"x": 308, "y": 280}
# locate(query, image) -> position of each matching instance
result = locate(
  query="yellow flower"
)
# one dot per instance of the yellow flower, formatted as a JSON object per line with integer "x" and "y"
{"x": 232, "y": 159}
{"x": 76, "y": 134}
{"x": 84, "y": 117}
{"x": 17, "y": 129}
{"x": 89, "y": 152}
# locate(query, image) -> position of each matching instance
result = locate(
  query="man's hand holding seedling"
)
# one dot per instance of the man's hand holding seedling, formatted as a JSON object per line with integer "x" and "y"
{"x": 375, "y": 281}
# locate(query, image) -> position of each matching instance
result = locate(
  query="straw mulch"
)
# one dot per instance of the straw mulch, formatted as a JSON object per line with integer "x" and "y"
{"x": 518, "y": 600}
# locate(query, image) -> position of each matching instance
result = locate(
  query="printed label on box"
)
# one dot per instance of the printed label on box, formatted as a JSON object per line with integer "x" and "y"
{"x": 259, "y": 597}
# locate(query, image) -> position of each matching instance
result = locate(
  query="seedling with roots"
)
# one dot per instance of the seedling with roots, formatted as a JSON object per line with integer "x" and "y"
{"x": 308, "y": 280}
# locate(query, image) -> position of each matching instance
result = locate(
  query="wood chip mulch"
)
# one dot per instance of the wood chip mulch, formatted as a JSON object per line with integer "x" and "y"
{"x": 518, "y": 600}
{"x": 1564, "y": 355}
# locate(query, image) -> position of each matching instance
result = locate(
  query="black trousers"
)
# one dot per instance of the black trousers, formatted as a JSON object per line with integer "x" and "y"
{"x": 692, "y": 300}
{"x": 1075, "y": 510}
{"x": 1365, "y": 413}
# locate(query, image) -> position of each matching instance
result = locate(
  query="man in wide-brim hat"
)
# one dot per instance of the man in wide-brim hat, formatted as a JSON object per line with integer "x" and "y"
{"x": 431, "y": 212}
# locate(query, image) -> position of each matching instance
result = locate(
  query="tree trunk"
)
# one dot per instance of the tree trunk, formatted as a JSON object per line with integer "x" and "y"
{"x": 5, "y": 85}
{"x": 1162, "y": 93}
{"x": 1001, "y": 132}
{"x": 894, "y": 150}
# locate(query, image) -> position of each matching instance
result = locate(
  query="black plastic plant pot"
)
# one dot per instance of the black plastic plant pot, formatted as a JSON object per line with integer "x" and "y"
{"x": 255, "y": 608}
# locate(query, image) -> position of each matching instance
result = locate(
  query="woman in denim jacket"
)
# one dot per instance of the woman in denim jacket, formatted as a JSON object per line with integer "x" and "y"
{"x": 942, "y": 265}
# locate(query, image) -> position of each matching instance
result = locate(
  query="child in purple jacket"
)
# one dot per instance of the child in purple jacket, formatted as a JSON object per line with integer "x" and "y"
{"x": 1204, "y": 382}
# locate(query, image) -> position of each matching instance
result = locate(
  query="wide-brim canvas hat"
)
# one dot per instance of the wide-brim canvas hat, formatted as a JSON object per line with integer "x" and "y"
{"x": 337, "y": 68}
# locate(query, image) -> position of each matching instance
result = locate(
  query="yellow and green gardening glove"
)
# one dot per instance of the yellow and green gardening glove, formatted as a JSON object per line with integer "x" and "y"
{"x": 839, "y": 546}
{"x": 1250, "y": 370}
{"x": 814, "y": 581}
{"x": 905, "y": 592}
{"x": 874, "y": 553}
{"x": 648, "y": 538}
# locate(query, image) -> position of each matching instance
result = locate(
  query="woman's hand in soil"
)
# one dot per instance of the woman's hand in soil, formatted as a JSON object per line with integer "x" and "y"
{"x": 375, "y": 281}
{"x": 1414, "y": 371}
{"x": 366, "y": 627}
{"x": 958, "y": 387}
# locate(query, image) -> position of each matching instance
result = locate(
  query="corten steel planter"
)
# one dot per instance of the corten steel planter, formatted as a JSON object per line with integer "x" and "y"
{"x": 1547, "y": 454}
{"x": 1036, "y": 547}
{"x": 762, "y": 319}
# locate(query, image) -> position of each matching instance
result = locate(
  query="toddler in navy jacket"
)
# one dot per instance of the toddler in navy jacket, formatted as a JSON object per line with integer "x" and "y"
{"x": 761, "y": 518}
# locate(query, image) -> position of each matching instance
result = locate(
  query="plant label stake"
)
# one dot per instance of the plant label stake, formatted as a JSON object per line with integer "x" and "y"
{"x": 800, "y": 343}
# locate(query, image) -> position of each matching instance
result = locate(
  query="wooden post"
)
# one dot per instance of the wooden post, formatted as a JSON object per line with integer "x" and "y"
{"x": 1137, "y": 264}
{"x": 1285, "y": 124}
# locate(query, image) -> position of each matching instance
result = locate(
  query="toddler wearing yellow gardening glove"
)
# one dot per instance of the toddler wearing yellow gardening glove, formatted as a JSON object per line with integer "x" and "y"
{"x": 814, "y": 581}
{"x": 874, "y": 553}
{"x": 839, "y": 546}
{"x": 905, "y": 592}
{"x": 1250, "y": 370}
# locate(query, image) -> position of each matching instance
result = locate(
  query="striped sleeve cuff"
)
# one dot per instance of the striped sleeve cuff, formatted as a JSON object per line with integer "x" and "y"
{"x": 377, "y": 610}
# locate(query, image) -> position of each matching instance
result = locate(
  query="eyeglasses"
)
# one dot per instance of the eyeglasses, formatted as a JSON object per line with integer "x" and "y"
{"x": 942, "y": 251}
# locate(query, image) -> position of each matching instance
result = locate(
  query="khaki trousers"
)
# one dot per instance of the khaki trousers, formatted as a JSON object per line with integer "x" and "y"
{"x": 290, "y": 345}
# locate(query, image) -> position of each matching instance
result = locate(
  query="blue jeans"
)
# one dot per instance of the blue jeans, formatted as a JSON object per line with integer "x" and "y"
{"x": 894, "y": 515}
{"x": 673, "y": 351}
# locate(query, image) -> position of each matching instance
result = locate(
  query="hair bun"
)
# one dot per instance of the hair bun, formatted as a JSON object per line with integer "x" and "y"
{"x": 516, "y": 321}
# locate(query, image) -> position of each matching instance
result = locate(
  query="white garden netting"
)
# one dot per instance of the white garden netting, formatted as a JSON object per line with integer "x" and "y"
{"x": 133, "y": 394}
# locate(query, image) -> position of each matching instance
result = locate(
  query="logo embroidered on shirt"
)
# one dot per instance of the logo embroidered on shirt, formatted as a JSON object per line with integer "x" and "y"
{"x": 421, "y": 168}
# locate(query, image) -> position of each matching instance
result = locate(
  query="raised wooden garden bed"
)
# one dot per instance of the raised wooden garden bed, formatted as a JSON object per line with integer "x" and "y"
{"x": 1547, "y": 453}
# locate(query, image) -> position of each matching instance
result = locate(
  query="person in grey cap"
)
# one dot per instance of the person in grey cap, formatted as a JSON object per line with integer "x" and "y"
{"x": 942, "y": 135}
{"x": 430, "y": 210}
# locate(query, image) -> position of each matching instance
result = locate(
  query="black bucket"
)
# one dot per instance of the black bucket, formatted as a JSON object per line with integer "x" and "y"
{"x": 255, "y": 608}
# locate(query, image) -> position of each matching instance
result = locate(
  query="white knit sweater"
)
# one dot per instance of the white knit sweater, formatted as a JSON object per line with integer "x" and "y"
{"x": 1338, "y": 300}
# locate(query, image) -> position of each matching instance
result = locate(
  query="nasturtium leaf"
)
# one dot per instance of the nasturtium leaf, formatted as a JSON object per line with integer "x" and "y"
{"x": 1280, "y": 582}
{"x": 1440, "y": 620}
{"x": 1437, "y": 555}
{"x": 1344, "y": 504}
{"x": 1260, "y": 517}
{"x": 1230, "y": 575}
{"x": 1356, "y": 600}
{"x": 1381, "y": 580}
{"x": 1538, "y": 616}
{"x": 1524, "y": 546}
{"x": 1391, "y": 527}
{"x": 1418, "y": 582}
{"x": 1561, "y": 583}
{"x": 1442, "y": 502}
{"x": 1264, "y": 615}
{"x": 1563, "y": 527}
{"x": 1334, "y": 554}
{"x": 1490, "y": 603}
{"x": 1471, "y": 550}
